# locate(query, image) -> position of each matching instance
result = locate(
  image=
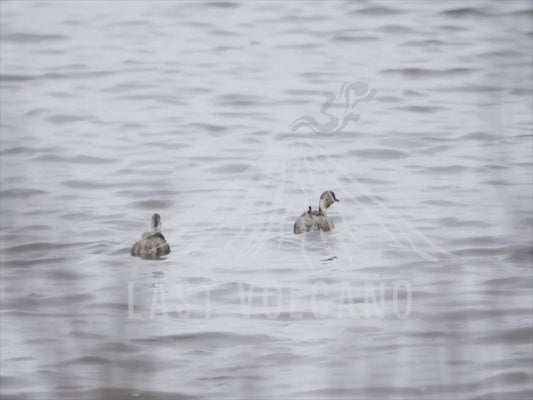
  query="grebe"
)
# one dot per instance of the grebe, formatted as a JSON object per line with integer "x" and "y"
{"x": 152, "y": 245}
{"x": 317, "y": 220}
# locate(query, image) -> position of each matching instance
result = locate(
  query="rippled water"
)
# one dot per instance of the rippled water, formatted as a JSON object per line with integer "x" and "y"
{"x": 112, "y": 111}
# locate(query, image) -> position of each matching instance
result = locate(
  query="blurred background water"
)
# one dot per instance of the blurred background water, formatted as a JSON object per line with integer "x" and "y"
{"x": 111, "y": 111}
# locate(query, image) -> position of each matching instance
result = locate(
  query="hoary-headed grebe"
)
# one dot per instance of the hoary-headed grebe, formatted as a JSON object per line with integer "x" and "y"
{"x": 153, "y": 245}
{"x": 317, "y": 220}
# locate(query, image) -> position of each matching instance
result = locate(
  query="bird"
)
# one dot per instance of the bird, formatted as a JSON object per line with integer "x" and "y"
{"x": 152, "y": 245}
{"x": 317, "y": 220}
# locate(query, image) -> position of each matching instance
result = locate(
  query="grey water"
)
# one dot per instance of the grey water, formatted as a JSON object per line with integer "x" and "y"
{"x": 111, "y": 111}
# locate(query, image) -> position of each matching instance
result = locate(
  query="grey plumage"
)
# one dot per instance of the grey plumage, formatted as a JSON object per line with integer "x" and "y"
{"x": 153, "y": 245}
{"x": 317, "y": 220}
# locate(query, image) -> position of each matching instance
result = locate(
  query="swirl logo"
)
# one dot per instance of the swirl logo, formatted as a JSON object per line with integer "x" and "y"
{"x": 351, "y": 93}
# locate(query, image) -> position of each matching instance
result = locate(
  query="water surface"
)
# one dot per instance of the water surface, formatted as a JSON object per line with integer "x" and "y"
{"x": 113, "y": 111}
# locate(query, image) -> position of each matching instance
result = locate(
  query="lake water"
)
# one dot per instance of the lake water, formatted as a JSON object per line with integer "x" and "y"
{"x": 111, "y": 111}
